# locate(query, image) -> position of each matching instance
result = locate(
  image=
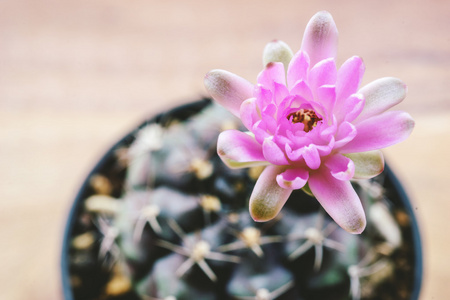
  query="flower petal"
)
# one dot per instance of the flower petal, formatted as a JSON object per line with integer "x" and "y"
{"x": 239, "y": 150}
{"x": 228, "y": 89}
{"x": 298, "y": 69}
{"x": 277, "y": 51}
{"x": 380, "y": 95}
{"x": 263, "y": 96}
{"x": 273, "y": 72}
{"x": 340, "y": 167}
{"x": 346, "y": 132}
{"x": 259, "y": 129}
{"x": 339, "y": 200}
{"x": 326, "y": 96}
{"x": 323, "y": 73}
{"x": 268, "y": 197}
{"x": 349, "y": 78}
{"x": 367, "y": 164}
{"x": 280, "y": 92}
{"x": 302, "y": 90}
{"x": 293, "y": 178}
{"x": 380, "y": 131}
{"x": 320, "y": 38}
{"x": 249, "y": 113}
{"x": 349, "y": 109}
{"x": 273, "y": 153}
{"x": 311, "y": 156}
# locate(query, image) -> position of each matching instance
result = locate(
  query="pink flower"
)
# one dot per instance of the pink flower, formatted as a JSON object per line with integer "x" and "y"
{"x": 309, "y": 124}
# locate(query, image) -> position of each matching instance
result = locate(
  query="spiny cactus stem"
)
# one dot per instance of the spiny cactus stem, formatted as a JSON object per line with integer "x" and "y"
{"x": 110, "y": 234}
{"x": 153, "y": 298}
{"x": 250, "y": 238}
{"x": 177, "y": 229}
{"x": 355, "y": 270}
{"x": 200, "y": 250}
{"x": 210, "y": 203}
{"x": 202, "y": 168}
{"x": 374, "y": 189}
{"x": 186, "y": 265}
{"x": 147, "y": 215}
{"x": 282, "y": 289}
{"x": 262, "y": 294}
{"x": 148, "y": 139}
{"x": 205, "y": 268}
{"x": 171, "y": 247}
{"x": 102, "y": 204}
{"x": 316, "y": 237}
{"x": 363, "y": 269}
{"x": 197, "y": 254}
{"x": 265, "y": 294}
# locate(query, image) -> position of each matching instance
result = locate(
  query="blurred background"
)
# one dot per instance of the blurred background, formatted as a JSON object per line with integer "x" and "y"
{"x": 76, "y": 75}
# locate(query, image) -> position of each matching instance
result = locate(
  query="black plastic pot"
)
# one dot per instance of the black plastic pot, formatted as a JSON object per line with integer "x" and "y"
{"x": 104, "y": 166}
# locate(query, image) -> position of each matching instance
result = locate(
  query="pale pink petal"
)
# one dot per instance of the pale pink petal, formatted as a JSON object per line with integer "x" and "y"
{"x": 273, "y": 153}
{"x": 268, "y": 197}
{"x": 380, "y": 131}
{"x": 349, "y": 109}
{"x": 280, "y": 92}
{"x": 349, "y": 78}
{"x": 260, "y": 131}
{"x": 298, "y": 69}
{"x": 239, "y": 150}
{"x": 367, "y": 164}
{"x": 249, "y": 113}
{"x": 345, "y": 133}
{"x": 268, "y": 118}
{"x": 320, "y": 38}
{"x": 284, "y": 106}
{"x": 293, "y": 178}
{"x": 302, "y": 90}
{"x": 326, "y": 95}
{"x": 339, "y": 200}
{"x": 323, "y": 73}
{"x": 293, "y": 155}
{"x": 273, "y": 72}
{"x": 340, "y": 167}
{"x": 264, "y": 96}
{"x": 325, "y": 149}
{"x": 277, "y": 51}
{"x": 283, "y": 136}
{"x": 328, "y": 130}
{"x": 228, "y": 89}
{"x": 311, "y": 156}
{"x": 381, "y": 95}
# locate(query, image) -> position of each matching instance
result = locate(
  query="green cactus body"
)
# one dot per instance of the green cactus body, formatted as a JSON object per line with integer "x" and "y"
{"x": 182, "y": 228}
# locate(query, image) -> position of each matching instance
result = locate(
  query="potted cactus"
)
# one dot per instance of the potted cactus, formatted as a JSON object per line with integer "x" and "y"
{"x": 270, "y": 191}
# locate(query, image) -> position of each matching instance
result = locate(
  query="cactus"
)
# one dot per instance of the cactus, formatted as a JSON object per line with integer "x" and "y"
{"x": 166, "y": 219}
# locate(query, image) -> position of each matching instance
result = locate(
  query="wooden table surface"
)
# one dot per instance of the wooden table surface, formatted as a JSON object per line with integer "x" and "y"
{"x": 76, "y": 75}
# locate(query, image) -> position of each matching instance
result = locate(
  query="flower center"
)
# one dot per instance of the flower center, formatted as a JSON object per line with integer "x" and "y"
{"x": 306, "y": 116}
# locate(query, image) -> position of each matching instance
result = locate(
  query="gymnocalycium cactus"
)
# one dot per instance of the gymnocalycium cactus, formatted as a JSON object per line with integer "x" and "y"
{"x": 180, "y": 226}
